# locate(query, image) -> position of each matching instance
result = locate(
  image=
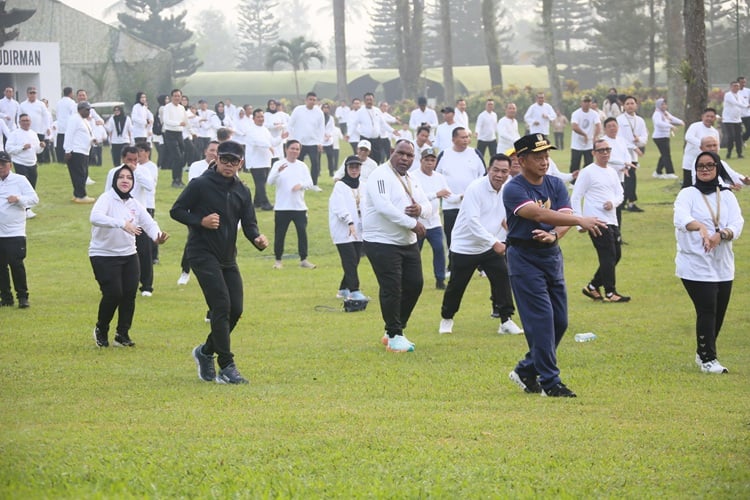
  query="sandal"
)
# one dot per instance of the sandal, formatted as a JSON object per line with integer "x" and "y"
{"x": 592, "y": 292}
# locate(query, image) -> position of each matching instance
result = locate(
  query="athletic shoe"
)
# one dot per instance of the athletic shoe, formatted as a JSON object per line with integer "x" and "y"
{"x": 670, "y": 176}
{"x": 316, "y": 188}
{"x": 384, "y": 339}
{"x": 123, "y": 340}
{"x": 146, "y": 293}
{"x": 230, "y": 375}
{"x": 482, "y": 274}
{"x": 30, "y": 213}
{"x": 446, "y": 326}
{"x": 440, "y": 284}
{"x": 208, "y": 316}
{"x": 23, "y": 303}
{"x": 713, "y": 366}
{"x": 558, "y": 391}
{"x": 306, "y": 264}
{"x": 698, "y": 360}
{"x": 357, "y": 295}
{"x": 495, "y": 312}
{"x": 278, "y": 265}
{"x": 343, "y": 294}
{"x": 6, "y": 303}
{"x": 509, "y": 327}
{"x": 616, "y": 297}
{"x": 592, "y": 292}
{"x": 86, "y": 200}
{"x": 528, "y": 384}
{"x": 399, "y": 343}
{"x": 633, "y": 208}
{"x": 183, "y": 279}
{"x": 656, "y": 175}
{"x": 206, "y": 368}
{"x": 100, "y": 338}
{"x": 90, "y": 181}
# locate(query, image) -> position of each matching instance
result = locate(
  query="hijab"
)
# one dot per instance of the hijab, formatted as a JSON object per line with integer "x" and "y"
{"x": 119, "y": 120}
{"x": 138, "y": 98}
{"x": 122, "y": 195}
{"x": 268, "y": 106}
{"x": 221, "y": 115}
{"x": 708, "y": 187}
{"x": 350, "y": 181}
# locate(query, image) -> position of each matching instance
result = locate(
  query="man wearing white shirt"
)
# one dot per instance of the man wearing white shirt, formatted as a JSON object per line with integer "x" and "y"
{"x": 9, "y": 109}
{"x": 205, "y": 131}
{"x": 342, "y": 116}
{"x": 693, "y": 137}
{"x": 539, "y": 115}
{"x": 40, "y": 119}
{"x": 259, "y": 151}
{"x": 632, "y": 128}
{"x": 711, "y": 144}
{"x": 486, "y": 129}
{"x": 421, "y": 142}
{"x": 745, "y": 93}
{"x": 597, "y": 193}
{"x": 82, "y": 96}
{"x": 479, "y": 242}
{"x": 78, "y": 140}
{"x": 174, "y": 119}
{"x": 507, "y": 129}
{"x": 586, "y": 127}
{"x": 307, "y": 125}
{"x": 66, "y": 107}
{"x": 352, "y": 136}
{"x": 619, "y": 158}
{"x": 462, "y": 117}
{"x": 23, "y": 146}
{"x": 276, "y": 121}
{"x": 370, "y": 124}
{"x": 387, "y": 136}
{"x": 444, "y": 132}
{"x": 423, "y": 115}
{"x": 734, "y": 105}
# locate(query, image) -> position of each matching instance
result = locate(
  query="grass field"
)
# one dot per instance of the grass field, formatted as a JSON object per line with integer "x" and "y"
{"x": 330, "y": 414}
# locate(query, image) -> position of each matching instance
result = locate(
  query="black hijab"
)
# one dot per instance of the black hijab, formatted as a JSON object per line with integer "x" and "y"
{"x": 350, "y": 181}
{"x": 221, "y": 115}
{"x": 138, "y": 98}
{"x": 119, "y": 120}
{"x": 710, "y": 186}
{"x": 122, "y": 195}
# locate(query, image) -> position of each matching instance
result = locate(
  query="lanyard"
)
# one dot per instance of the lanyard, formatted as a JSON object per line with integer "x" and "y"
{"x": 406, "y": 185}
{"x": 714, "y": 216}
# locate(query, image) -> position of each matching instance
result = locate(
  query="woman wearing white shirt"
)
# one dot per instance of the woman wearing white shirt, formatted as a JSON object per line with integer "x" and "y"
{"x": 707, "y": 217}
{"x": 664, "y": 125}
{"x": 116, "y": 219}
{"x": 141, "y": 118}
{"x": 291, "y": 178}
{"x": 120, "y": 131}
{"x": 345, "y": 225}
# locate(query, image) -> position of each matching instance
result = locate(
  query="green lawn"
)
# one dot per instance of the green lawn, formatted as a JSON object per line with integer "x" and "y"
{"x": 330, "y": 414}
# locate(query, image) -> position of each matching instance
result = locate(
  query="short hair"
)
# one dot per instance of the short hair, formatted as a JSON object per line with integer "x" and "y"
{"x": 707, "y": 110}
{"x": 489, "y": 100}
{"x": 456, "y": 131}
{"x": 356, "y": 99}
{"x": 128, "y": 150}
{"x": 500, "y": 157}
{"x": 311, "y": 94}
{"x": 600, "y": 139}
{"x": 368, "y": 93}
{"x": 741, "y": 78}
{"x": 211, "y": 142}
{"x": 610, "y": 119}
{"x": 67, "y": 91}
{"x": 223, "y": 134}
{"x": 30, "y": 88}
{"x": 143, "y": 146}
{"x": 423, "y": 128}
{"x": 81, "y": 90}
{"x": 630, "y": 97}
{"x": 460, "y": 99}
{"x": 175, "y": 90}
{"x": 22, "y": 115}
{"x": 292, "y": 141}
{"x": 257, "y": 111}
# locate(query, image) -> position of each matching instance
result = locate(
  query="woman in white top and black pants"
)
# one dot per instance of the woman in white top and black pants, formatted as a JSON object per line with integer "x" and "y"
{"x": 120, "y": 131}
{"x": 664, "y": 124}
{"x": 116, "y": 219}
{"x": 707, "y": 218}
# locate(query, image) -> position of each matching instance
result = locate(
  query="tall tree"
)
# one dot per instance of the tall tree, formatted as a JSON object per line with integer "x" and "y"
{"x": 409, "y": 30}
{"x": 212, "y": 37}
{"x": 549, "y": 53}
{"x": 654, "y": 20}
{"x": 571, "y": 22}
{"x": 152, "y": 24}
{"x": 258, "y": 30}
{"x": 382, "y": 33}
{"x": 10, "y": 18}
{"x": 675, "y": 54}
{"x": 296, "y": 11}
{"x": 297, "y": 53}
{"x": 445, "y": 24}
{"x": 695, "y": 68}
{"x": 339, "y": 37}
{"x": 491, "y": 43}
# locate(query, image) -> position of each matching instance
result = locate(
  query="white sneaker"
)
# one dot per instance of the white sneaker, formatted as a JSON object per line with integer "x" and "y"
{"x": 482, "y": 274}
{"x": 343, "y": 294}
{"x": 399, "y": 343}
{"x": 509, "y": 327}
{"x": 146, "y": 293}
{"x": 90, "y": 181}
{"x": 446, "y": 326}
{"x": 670, "y": 176}
{"x": 306, "y": 264}
{"x": 30, "y": 214}
{"x": 183, "y": 279}
{"x": 277, "y": 265}
{"x": 698, "y": 360}
{"x": 317, "y": 189}
{"x": 713, "y": 366}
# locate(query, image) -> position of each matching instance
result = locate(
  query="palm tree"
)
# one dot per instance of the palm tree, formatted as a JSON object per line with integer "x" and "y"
{"x": 297, "y": 53}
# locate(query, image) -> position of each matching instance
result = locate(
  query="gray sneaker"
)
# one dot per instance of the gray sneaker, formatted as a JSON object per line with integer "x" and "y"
{"x": 206, "y": 369}
{"x": 230, "y": 375}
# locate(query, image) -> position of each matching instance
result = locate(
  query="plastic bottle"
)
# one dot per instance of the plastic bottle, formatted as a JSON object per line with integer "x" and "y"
{"x": 584, "y": 337}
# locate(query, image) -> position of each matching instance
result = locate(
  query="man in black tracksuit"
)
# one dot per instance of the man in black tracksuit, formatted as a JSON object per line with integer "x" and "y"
{"x": 211, "y": 206}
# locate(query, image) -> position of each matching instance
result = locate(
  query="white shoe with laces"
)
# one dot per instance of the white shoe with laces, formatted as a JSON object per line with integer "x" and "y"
{"x": 713, "y": 366}
{"x": 446, "y": 326}
{"x": 90, "y": 181}
{"x": 510, "y": 328}
{"x": 146, "y": 293}
{"x": 30, "y": 213}
{"x": 183, "y": 279}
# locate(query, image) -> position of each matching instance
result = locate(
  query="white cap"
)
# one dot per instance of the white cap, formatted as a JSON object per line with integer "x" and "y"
{"x": 364, "y": 143}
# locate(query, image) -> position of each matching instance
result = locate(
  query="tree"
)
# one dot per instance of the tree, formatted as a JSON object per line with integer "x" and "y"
{"x": 10, "y": 18}
{"x": 549, "y": 52}
{"x": 409, "y": 44}
{"x": 445, "y": 24}
{"x": 167, "y": 32}
{"x": 675, "y": 54}
{"x": 382, "y": 33}
{"x": 570, "y": 21}
{"x": 695, "y": 67}
{"x": 258, "y": 30}
{"x": 339, "y": 38}
{"x": 212, "y": 37}
{"x": 297, "y": 53}
{"x": 490, "y": 16}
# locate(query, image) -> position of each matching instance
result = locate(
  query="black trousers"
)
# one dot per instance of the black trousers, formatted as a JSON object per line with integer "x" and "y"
{"x": 746, "y": 124}
{"x": 560, "y": 140}
{"x": 12, "y": 254}
{"x": 399, "y": 273}
{"x": 629, "y": 186}
{"x": 144, "y": 246}
{"x": 118, "y": 282}
{"x": 282, "y": 219}
{"x": 376, "y": 153}
{"x": 665, "y": 158}
{"x": 78, "y": 168}
{"x": 710, "y": 300}
{"x": 174, "y": 154}
{"x": 332, "y": 155}
{"x": 463, "y": 266}
{"x": 575, "y": 158}
{"x": 260, "y": 176}
{"x": 449, "y": 220}
{"x": 116, "y": 150}
{"x": 608, "y": 247}
{"x": 200, "y": 144}
{"x": 222, "y": 289}
{"x": 59, "y": 149}
{"x": 482, "y": 146}
{"x": 350, "y": 254}
{"x": 314, "y": 154}
{"x": 30, "y": 172}
{"x": 44, "y": 156}
{"x": 354, "y": 147}
{"x": 734, "y": 138}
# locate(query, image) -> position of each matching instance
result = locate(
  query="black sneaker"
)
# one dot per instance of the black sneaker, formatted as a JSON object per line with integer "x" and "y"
{"x": 230, "y": 375}
{"x": 206, "y": 368}
{"x": 123, "y": 340}
{"x": 495, "y": 312}
{"x": 558, "y": 391}
{"x": 23, "y": 303}
{"x": 634, "y": 208}
{"x": 6, "y": 303}
{"x": 528, "y": 384}
{"x": 100, "y": 338}
{"x": 440, "y": 284}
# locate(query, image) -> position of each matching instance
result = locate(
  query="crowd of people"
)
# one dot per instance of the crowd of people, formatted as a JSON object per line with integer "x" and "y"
{"x": 407, "y": 181}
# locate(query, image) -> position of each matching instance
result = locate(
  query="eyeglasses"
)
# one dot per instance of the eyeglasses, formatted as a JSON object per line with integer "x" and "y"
{"x": 603, "y": 150}
{"x": 229, "y": 160}
{"x": 706, "y": 167}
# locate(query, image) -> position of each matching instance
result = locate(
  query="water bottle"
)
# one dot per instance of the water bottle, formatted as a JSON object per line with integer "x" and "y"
{"x": 585, "y": 337}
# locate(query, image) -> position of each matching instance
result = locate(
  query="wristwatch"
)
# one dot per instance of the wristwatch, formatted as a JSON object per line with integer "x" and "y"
{"x": 553, "y": 233}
